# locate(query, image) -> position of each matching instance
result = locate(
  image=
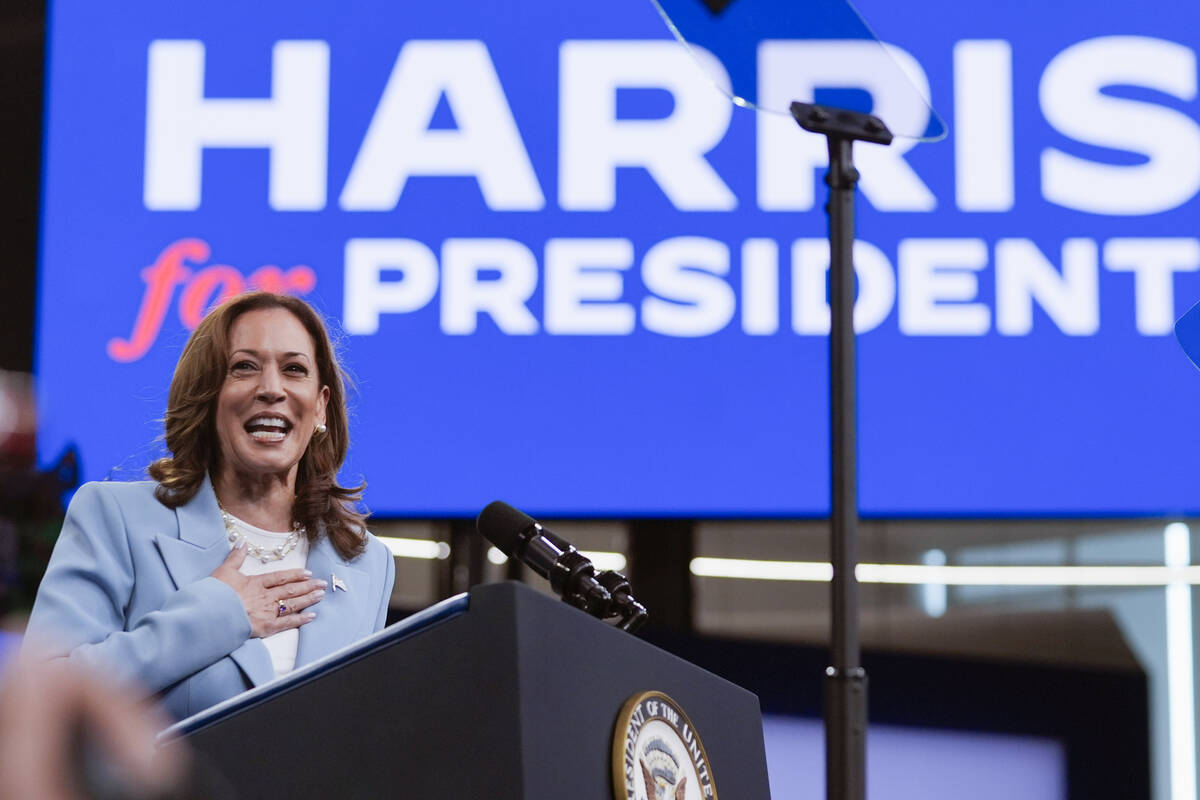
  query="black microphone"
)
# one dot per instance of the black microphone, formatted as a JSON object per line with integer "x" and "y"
{"x": 571, "y": 574}
{"x": 521, "y": 537}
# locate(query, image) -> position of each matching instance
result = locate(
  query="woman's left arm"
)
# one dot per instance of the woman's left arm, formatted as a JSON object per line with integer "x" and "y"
{"x": 82, "y": 608}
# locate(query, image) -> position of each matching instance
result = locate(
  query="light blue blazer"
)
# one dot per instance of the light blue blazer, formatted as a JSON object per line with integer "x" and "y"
{"x": 128, "y": 593}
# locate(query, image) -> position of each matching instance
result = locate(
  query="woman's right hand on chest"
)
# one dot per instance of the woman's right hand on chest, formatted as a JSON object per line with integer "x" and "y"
{"x": 274, "y": 601}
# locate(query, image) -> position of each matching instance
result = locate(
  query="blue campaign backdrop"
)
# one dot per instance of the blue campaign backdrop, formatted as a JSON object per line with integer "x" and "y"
{"x": 678, "y": 367}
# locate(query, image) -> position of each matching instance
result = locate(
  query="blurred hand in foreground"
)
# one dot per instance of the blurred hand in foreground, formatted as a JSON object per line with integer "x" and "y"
{"x": 67, "y": 735}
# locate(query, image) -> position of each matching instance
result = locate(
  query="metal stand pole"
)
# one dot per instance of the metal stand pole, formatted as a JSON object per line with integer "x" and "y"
{"x": 845, "y": 679}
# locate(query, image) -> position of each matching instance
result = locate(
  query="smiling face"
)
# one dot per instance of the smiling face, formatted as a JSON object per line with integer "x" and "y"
{"x": 272, "y": 399}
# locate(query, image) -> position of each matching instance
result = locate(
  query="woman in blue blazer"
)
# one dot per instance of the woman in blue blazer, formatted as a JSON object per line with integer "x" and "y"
{"x": 243, "y": 558}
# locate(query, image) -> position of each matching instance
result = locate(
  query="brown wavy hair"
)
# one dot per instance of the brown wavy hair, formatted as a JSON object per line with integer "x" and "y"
{"x": 321, "y": 505}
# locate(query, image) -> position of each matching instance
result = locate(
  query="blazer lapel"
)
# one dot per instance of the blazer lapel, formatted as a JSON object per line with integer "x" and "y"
{"x": 341, "y": 613}
{"x": 199, "y": 549}
{"x": 200, "y": 546}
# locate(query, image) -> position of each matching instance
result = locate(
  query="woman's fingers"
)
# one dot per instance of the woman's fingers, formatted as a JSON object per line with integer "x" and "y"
{"x": 297, "y": 588}
{"x": 237, "y": 555}
{"x": 269, "y": 621}
{"x": 305, "y": 600}
{"x": 289, "y": 620}
{"x": 279, "y": 609}
{"x": 273, "y": 579}
{"x": 227, "y": 571}
{"x": 290, "y": 611}
{"x": 264, "y": 595}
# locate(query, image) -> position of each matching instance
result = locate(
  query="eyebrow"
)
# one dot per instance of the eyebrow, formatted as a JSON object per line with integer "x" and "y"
{"x": 257, "y": 354}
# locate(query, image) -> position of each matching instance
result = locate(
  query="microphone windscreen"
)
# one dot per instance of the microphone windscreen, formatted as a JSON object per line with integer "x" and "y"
{"x": 501, "y": 524}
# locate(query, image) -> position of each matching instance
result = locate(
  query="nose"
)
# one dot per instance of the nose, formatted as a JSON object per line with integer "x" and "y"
{"x": 270, "y": 385}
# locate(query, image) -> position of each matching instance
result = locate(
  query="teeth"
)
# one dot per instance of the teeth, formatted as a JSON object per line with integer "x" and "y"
{"x": 268, "y": 436}
{"x": 271, "y": 421}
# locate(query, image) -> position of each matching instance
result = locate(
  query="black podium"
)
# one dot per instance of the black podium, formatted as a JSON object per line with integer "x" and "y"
{"x": 500, "y": 694}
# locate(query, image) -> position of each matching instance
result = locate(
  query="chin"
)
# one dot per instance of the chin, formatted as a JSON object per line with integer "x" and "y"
{"x": 264, "y": 466}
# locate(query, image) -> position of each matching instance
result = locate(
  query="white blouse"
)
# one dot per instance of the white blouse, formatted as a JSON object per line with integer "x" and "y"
{"x": 282, "y": 645}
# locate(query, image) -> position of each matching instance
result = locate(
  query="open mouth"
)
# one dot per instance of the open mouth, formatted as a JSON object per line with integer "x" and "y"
{"x": 268, "y": 428}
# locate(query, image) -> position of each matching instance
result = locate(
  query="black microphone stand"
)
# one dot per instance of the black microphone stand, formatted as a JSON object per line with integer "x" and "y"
{"x": 845, "y": 679}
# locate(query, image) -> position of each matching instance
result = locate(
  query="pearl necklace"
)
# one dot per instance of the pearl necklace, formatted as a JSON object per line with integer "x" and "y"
{"x": 263, "y": 554}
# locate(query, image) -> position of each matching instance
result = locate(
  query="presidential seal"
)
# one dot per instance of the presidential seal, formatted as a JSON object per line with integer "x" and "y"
{"x": 657, "y": 753}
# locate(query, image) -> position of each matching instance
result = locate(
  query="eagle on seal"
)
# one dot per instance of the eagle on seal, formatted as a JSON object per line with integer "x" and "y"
{"x": 656, "y": 790}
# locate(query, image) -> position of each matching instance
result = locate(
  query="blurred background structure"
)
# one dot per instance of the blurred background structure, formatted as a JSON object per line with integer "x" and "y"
{"x": 1029, "y": 443}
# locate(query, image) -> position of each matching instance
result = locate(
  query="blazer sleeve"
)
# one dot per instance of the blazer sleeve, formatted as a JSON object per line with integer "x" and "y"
{"x": 389, "y": 581}
{"x": 80, "y": 612}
